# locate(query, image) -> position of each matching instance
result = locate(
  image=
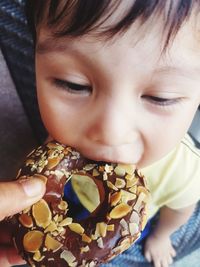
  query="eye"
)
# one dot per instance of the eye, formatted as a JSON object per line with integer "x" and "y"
{"x": 71, "y": 87}
{"x": 161, "y": 101}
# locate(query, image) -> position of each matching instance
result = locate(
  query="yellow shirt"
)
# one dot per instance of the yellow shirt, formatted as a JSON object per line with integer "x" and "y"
{"x": 174, "y": 181}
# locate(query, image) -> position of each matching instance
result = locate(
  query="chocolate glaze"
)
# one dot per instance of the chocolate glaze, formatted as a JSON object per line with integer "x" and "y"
{"x": 71, "y": 162}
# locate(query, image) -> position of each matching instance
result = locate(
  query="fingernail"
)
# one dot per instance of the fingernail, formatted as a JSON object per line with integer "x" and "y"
{"x": 32, "y": 187}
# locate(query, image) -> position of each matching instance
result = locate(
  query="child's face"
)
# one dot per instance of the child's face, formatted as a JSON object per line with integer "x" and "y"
{"x": 119, "y": 101}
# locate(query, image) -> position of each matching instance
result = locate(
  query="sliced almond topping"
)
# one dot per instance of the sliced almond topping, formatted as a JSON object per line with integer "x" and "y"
{"x": 33, "y": 240}
{"x": 65, "y": 151}
{"x": 55, "y": 233}
{"x": 59, "y": 174}
{"x": 60, "y": 218}
{"x": 61, "y": 229}
{"x": 91, "y": 264}
{"x": 42, "y": 213}
{"x": 89, "y": 167}
{"x": 63, "y": 205}
{"x": 66, "y": 221}
{"x": 33, "y": 151}
{"x": 119, "y": 170}
{"x": 77, "y": 228}
{"x": 120, "y": 211}
{"x": 143, "y": 190}
{"x": 110, "y": 227}
{"x": 133, "y": 189}
{"x": 73, "y": 264}
{"x": 130, "y": 176}
{"x": 105, "y": 176}
{"x": 101, "y": 168}
{"x": 116, "y": 250}
{"x": 134, "y": 218}
{"x": 94, "y": 237}
{"x": 95, "y": 173}
{"x": 47, "y": 173}
{"x": 18, "y": 173}
{"x": 52, "y": 244}
{"x": 139, "y": 202}
{"x": 53, "y": 162}
{"x": 86, "y": 238}
{"x": 133, "y": 228}
{"x": 129, "y": 168}
{"x": 122, "y": 169}
{"x": 26, "y": 220}
{"x": 101, "y": 229}
{"x": 55, "y": 218}
{"x": 56, "y": 146}
{"x": 120, "y": 183}
{"x": 112, "y": 186}
{"x": 108, "y": 168}
{"x": 127, "y": 196}
{"x": 67, "y": 256}
{"x": 38, "y": 257}
{"x": 51, "y": 227}
{"x": 115, "y": 198}
{"x": 100, "y": 242}
{"x": 130, "y": 183}
{"x": 29, "y": 162}
{"x": 124, "y": 232}
{"x": 125, "y": 244}
{"x": 124, "y": 224}
{"x": 85, "y": 249}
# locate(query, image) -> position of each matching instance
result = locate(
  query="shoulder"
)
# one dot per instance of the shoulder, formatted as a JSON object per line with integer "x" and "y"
{"x": 179, "y": 168}
{"x": 189, "y": 147}
{"x": 174, "y": 180}
{"x": 182, "y": 160}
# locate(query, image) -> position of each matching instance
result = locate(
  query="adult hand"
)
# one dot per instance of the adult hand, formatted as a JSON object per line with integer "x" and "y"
{"x": 14, "y": 197}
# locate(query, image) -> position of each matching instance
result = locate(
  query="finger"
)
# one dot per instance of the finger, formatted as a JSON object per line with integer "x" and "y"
{"x": 173, "y": 252}
{"x": 157, "y": 263}
{"x": 170, "y": 260}
{"x": 164, "y": 263}
{"x": 148, "y": 256}
{"x": 17, "y": 195}
{"x": 9, "y": 257}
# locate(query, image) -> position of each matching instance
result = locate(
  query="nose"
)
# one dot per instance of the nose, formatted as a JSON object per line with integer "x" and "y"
{"x": 112, "y": 125}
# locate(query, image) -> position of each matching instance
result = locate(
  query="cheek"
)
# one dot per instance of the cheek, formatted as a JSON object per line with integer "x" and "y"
{"x": 59, "y": 119}
{"x": 163, "y": 134}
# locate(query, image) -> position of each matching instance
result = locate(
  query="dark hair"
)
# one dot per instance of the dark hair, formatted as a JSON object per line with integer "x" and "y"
{"x": 78, "y": 17}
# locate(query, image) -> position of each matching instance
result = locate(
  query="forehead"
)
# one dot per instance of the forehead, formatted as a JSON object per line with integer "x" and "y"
{"x": 147, "y": 40}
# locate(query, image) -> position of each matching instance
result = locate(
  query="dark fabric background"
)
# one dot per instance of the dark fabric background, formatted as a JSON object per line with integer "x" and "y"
{"x": 17, "y": 48}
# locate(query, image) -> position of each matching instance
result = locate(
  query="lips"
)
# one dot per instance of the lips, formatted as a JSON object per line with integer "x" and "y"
{"x": 127, "y": 154}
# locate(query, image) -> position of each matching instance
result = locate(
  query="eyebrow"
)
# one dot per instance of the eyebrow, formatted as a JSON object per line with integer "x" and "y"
{"x": 181, "y": 71}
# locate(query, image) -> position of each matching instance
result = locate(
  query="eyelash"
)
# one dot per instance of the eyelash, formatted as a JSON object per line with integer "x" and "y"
{"x": 75, "y": 88}
{"x": 159, "y": 101}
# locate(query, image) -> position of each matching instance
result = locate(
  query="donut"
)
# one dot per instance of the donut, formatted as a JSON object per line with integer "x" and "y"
{"x": 91, "y": 211}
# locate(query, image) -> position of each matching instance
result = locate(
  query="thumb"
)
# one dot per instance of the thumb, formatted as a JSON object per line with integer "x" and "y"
{"x": 18, "y": 195}
{"x": 9, "y": 256}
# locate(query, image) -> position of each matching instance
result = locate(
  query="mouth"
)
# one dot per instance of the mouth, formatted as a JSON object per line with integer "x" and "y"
{"x": 113, "y": 155}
